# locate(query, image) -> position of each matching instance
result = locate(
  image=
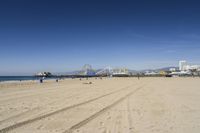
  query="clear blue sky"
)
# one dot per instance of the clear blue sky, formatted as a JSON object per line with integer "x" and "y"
{"x": 61, "y": 35}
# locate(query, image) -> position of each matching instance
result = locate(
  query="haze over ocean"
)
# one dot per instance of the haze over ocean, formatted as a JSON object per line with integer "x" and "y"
{"x": 60, "y": 36}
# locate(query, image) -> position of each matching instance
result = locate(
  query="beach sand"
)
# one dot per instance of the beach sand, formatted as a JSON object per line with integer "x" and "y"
{"x": 110, "y": 105}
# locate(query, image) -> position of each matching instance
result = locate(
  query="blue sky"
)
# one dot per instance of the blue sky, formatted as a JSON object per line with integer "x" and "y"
{"x": 60, "y": 36}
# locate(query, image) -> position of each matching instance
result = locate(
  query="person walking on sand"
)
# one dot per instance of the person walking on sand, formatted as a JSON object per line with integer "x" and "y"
{"x": 138, "y": 75}
{"x": 41, "y": 80}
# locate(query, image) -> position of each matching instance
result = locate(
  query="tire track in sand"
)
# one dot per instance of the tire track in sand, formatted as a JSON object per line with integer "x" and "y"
{"x": 20, "y": 124}
{"x": 90, "y": 118}
{"x": 129, "y": 116}
{"x": 37, "y": 108}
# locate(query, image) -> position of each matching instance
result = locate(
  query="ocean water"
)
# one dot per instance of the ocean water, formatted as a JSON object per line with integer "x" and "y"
{"x": 18, "y": 78}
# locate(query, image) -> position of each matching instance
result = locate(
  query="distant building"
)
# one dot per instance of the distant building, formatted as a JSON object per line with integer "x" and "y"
{"x": 120, "y": 72}
{"x": 182, "y": 65}
{"x": 151, "y": 73}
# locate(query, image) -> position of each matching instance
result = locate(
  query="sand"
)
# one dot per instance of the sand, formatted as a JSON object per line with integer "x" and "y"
{"x": 110, "y": 105}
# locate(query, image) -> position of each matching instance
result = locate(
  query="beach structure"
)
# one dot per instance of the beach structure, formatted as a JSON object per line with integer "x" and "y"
{"x": 43, "y": 74}
{"x": 181, "y": 73}
{"x": 163, "y": 73}
{"x": 87, "y": 70}
{"x": 120, "y": 72}
{"x": 184, "y": 66}
{"x": 107, "y": 71}
{"x": 186, "y": 69}
{"x": 151, "y": 73}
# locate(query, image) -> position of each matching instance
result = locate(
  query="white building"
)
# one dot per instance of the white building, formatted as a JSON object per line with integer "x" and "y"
{"x": 120, "y": 71}
{"x": 191, "y": 67}
{"x": 151, "y": 73}
{"x": 182, "y": 65}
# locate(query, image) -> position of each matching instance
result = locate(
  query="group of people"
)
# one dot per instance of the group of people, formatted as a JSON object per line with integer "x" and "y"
{"x": 42, "y": 79}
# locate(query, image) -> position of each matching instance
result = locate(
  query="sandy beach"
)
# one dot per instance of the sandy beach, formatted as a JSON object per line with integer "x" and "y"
{"x": 108, "y": 105}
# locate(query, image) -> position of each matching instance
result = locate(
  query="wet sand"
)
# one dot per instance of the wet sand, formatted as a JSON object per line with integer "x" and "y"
{"x": 110, "y": 105}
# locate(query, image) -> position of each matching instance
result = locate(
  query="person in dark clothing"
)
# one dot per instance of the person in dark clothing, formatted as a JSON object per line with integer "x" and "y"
{"x": 138, "y": 75}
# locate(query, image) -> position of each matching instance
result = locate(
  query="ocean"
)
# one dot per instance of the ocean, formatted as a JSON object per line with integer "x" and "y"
{"x": 18, "y": 78}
